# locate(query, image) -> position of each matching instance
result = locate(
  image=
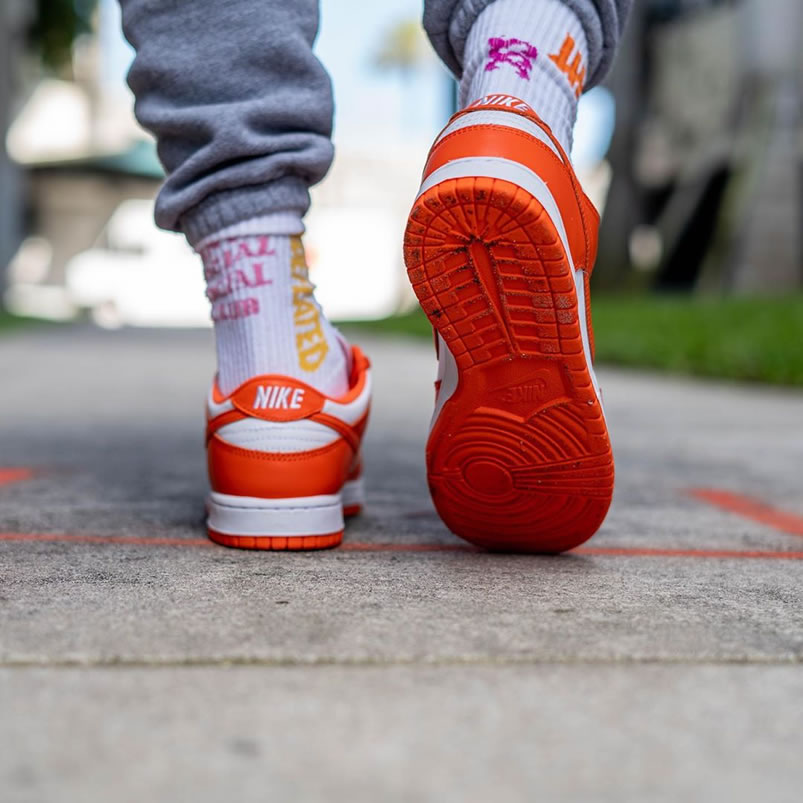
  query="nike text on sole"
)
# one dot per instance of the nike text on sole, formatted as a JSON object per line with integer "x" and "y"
{"x": 518, "y": 456}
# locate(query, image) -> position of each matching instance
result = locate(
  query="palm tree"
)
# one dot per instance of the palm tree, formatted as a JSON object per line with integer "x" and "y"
{"x": 403, "y": 50}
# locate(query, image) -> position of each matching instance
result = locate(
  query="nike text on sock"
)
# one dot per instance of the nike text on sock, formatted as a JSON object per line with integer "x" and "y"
{"x": 266, "y": 318}
{"x": 534, "y": 50}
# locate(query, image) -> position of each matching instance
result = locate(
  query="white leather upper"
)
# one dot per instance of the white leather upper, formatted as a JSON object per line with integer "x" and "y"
{"x": 277, "y": 436}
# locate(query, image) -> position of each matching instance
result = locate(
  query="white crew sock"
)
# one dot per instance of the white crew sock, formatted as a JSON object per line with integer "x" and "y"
{"x": 535, "y": 50}
{"x": 266, "y": 318}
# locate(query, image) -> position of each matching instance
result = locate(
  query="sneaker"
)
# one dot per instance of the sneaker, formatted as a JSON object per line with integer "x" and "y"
{"x": 284, "y": 461}
{"x": 499, "y": 248}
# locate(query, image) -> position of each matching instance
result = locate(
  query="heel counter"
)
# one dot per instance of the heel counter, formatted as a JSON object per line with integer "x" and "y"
{"x": 278, "y": 475}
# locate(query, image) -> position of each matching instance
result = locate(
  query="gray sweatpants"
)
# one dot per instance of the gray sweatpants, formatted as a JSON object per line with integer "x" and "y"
{"x": 242, "y": 109}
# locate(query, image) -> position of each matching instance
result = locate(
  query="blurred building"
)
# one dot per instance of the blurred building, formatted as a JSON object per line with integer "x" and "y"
{"x": 705, "y": 164}
{"x": 86, "y": 162}
{"x": 74, "y": 140}
{"x": 14, "y": 16}
{"x": 707, "y": 160}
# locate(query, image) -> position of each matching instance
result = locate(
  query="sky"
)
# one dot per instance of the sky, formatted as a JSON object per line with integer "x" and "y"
{"x": 371, "y": 103}
{"x": 371, "y": 106}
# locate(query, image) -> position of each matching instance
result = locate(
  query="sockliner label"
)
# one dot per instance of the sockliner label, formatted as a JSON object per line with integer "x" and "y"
{"x": 230, "y": 268}
{"x": 311, "y": 342}
{"x": 518, "y": 54}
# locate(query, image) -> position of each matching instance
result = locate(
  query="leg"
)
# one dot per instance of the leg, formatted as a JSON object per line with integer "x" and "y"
{"x": 242, "y": 112}
{"x": 545, "y": 52}
{"x": 448, "y": 23}
{"x": 499, "y": 248}
{"x": 240, "y": 106}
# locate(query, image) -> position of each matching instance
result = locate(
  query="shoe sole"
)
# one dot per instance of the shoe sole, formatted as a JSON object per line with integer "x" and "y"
{"x": 304, "y": 523}
{"x": 519, "y": 457}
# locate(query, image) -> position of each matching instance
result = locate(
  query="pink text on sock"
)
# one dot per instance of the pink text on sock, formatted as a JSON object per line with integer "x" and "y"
{"x": 520, "y": 55}
{"x": 232, "y": 310}
{"x": 232, "y": 266}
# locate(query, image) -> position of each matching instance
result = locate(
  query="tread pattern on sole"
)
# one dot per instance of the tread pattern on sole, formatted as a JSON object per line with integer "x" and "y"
{"x": 520, "y": 456}
{"x": 277, "y": 543}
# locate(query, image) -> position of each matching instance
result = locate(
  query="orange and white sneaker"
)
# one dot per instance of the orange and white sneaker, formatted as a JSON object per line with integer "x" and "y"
{"x": 499, "y": 247}
{"x": 284, "y": 461}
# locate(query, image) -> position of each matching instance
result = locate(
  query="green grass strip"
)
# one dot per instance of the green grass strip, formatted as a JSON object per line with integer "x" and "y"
{"x": 745, "y": 339}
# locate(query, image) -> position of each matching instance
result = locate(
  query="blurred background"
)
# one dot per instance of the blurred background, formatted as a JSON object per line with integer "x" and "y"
{"x": 692, "y": 150}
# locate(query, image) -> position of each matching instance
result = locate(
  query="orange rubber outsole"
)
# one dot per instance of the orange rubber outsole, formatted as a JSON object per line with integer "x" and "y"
{"x": 277, "y": 543}
{"x": 519, "y": 459}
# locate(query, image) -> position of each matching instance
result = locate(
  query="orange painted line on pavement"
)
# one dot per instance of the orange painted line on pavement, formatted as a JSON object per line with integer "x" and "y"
{"x": 750, "y": 509}
{"x": 66, "y": 538}
{"x": 355, "y": 546}
{"x": 631, "y": 552}
{"x": 638, "y": 552}
{"x": 9, "y": 475}
{"x": 645, "y": 552}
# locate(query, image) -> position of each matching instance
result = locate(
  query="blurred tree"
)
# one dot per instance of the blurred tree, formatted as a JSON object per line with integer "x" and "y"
{"x": 55, "y": 26}
{"x": 690, "y": 145}
{"x": 403, "y": 49}
{"x": 14, "y": 18}
{"x": 624, "y": 208}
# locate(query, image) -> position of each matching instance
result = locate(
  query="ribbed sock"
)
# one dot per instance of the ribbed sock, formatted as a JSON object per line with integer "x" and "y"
{"x": 535, "y": 50}
{"x": 266, "y": 318}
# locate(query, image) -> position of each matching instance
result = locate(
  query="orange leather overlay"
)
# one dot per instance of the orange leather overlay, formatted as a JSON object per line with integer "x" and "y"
{"x": 213, "y": 425}
{"x": 355, "y": 472}
{"x": 352, "y": 434}
{"x": 359, "y": 365}
{"x": 528, "y": 114}
{"x": 503, "y": 142}
{"x": 245, "y": 472}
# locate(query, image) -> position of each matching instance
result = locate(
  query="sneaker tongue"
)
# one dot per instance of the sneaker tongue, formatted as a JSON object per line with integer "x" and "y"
{"x": 278, "y": 398}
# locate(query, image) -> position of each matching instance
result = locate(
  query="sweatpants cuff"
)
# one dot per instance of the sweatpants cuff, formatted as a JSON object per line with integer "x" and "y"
{"x": 226, "y": 208}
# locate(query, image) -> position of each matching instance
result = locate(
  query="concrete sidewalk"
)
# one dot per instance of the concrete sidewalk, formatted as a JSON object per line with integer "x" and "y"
{"x": 138, "y": 661}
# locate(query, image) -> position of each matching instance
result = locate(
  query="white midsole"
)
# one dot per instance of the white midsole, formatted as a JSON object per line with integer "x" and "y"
{"x": 449, "y": 377}
{"x": 304, "y": 515}
{"x": 516, "y": 173}
{"x": 353, "y": 493}
{"x": 244, "y": 515}
{"x": 580, "y": 287}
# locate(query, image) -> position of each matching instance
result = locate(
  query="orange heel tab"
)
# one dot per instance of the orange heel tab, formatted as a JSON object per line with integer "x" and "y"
{"x": 277, "y": 398}
{"x": 509, "y": 103}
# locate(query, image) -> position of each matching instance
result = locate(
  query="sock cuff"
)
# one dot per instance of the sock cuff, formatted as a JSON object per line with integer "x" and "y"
{"x": 286, "y": 195}
{"x": 535, "y": 50}
{"x": 274, "y": 224}
{"x": 528, "y": 35}
{"x": 448, "y": 25}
